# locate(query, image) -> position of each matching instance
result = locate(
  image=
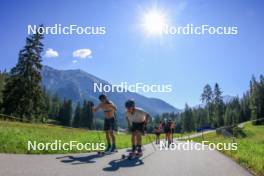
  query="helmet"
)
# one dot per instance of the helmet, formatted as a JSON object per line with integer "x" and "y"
{"x": 130, "y": 104}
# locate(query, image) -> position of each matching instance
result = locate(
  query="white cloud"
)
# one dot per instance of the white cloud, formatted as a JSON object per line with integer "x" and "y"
{"x": 82, "y": 53}
{"x": 51, "y": 53}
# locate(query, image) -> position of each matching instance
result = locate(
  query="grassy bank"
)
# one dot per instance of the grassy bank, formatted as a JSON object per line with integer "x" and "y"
{"x": 14, "y": 137}
{"x": 250, "y": 152}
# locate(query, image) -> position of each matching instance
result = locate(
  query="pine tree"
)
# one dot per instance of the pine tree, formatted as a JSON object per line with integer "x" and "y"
{"x": 188, "y": 123}
{"x": 77, "y": 116}
{"x": 228, "y": 118}
{"x": 200, "y": 116}
{"x": 55, "y": 107}
{"x": 2, "y": 83}
{"x": 47, "y": 102}
{"x": 207, "y": 97}
{"x": 90, "y": 115}
{"x": 261, "y": 98}
{"x": 23, "y": 96}
{"x": 65, "y": 114}
{"x": 87, "y": 115}
{"x": 257, "y": 99}
{"x": 254, "y": 98}
{"x": 245, "y": 107}
{"x": 233, "y": 112}
{"x": 83, "y": 121}
{"x": 218, "y": 106}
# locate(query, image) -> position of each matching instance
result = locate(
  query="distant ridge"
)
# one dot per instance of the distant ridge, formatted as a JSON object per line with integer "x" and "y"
{"x": 77, "y": 85}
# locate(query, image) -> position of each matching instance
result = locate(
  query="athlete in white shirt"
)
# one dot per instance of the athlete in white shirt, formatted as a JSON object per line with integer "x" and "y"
{"x": 137, "y": 120}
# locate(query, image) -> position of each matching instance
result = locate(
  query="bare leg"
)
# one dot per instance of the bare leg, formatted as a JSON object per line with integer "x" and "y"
{"x": 112, "y": 136}
{"x": 133, "y": 141}
{"x": 108, "y": 140}
{"x": 139, "y": 138}
{"x": 170, "y": 138}
{"x": 107, "y": 137}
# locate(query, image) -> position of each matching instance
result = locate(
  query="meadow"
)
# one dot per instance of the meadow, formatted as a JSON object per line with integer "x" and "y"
{"x": 250, "y": 148}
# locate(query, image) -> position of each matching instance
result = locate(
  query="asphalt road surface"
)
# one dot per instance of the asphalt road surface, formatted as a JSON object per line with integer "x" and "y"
{"x": 153, "y": 163}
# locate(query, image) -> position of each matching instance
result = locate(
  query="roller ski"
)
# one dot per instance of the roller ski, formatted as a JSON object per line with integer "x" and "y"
{"x": 109, "y": 150}
{"x": 102, "y": 153}
{"x": 132, "y": 155}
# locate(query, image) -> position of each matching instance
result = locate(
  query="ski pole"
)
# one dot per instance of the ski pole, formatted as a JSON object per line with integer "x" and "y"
{"x": 95, "y": 127}
{"x": 98, "y": 133}
{"x": 149, "y": 139}
{"x": 116, "y": 122}
{"x": 172, "y": 135}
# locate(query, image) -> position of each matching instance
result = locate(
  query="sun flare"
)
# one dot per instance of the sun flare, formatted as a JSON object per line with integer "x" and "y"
{"x": 153, "y": 22}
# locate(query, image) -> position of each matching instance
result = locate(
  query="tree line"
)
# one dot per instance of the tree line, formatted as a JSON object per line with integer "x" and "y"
{"x": 67, "y": 114}
{"x": 214, "y": 112}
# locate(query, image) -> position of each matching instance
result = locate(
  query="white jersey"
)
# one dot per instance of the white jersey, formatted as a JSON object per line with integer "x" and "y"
{"x": 138, "y": 116}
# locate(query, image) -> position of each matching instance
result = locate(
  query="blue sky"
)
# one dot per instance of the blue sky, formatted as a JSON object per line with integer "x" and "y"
{"x": 127, "y": 53}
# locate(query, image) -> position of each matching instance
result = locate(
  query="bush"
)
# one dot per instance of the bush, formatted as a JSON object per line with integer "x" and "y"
{"x": 238, "y": 132}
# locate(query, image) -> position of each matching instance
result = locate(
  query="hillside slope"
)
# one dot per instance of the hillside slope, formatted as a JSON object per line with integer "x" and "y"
{"x": 78, "y": 85}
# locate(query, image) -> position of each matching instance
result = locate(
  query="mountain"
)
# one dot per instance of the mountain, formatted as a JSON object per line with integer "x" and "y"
{"x": 77, "y": 85}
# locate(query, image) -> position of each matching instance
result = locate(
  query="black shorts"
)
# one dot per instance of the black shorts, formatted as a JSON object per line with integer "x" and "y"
{"x": 109, "y": 124}
{"x": 157, "y": 133}
{"x": 168, "y": 130}
{"x": 138, "y": 127}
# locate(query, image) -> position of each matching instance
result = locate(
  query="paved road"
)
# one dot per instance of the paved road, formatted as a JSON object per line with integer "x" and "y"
{"x": 195, "y": 135}
{"x": 159, "y": 163}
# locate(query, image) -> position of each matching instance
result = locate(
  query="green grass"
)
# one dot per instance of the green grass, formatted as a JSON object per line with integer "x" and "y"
{"x": 14, "y": 137}
{"x": 250, "y": 151}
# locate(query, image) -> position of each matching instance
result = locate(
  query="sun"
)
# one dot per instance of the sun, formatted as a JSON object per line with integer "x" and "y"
{"x": 153, "y": 22}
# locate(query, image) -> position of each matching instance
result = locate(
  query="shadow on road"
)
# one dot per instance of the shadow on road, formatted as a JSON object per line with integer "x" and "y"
{"x": 74, "y": 160}
{"x": 116, "y": 164}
